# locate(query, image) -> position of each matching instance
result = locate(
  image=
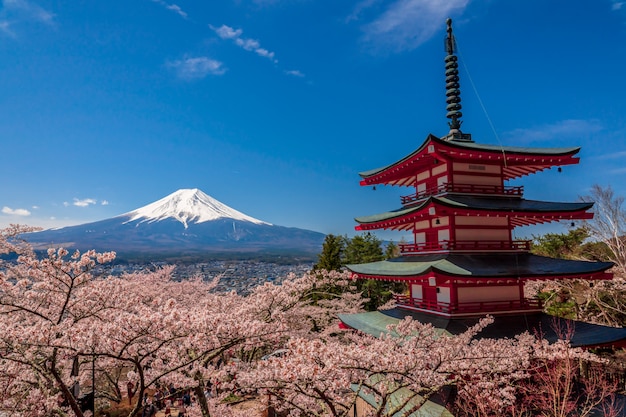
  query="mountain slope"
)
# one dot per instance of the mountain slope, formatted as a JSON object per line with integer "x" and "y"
{"x": 186, "y": 222}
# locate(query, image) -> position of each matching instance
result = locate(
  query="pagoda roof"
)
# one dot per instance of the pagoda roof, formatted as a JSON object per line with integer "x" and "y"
{"x": 516, "y": 161}
{"x": 585, "y": 334}
{"x": 522, "y": 211}
{"x": 493, "y": 265}
{"x": 397, "y": 400}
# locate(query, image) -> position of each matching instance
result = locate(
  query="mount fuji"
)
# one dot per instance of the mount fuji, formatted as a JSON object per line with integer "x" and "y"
{"x": 186, "y": 223}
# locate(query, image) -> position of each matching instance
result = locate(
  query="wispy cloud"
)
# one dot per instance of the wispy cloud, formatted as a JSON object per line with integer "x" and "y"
{"x": 249, "y": 44}
{"x": 173, "y": 7}
{"x": 27, "y": 9}
{"x": 295, "y": 73}
{"x": 15, "y": 212}
{"x": 197, "y": 67}
{"x": 104, "y": 202}
{"x": 617, "y": 5}
{"x": 560, "y": 129}
{"x": 14, "y": 12}
{"x": 406, "y": 24}
{"x": 85, "y": 202}
{"x": 360, "y": 8}
{"x": 5, "y": 27}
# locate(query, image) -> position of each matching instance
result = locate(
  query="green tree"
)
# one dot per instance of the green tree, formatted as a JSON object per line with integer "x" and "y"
{"x": 361, "y": 249}
{"x": 578, "y": 243}
{"x": 392, "y": 251}
{"x": 561, "y": 245}
{"x": 332, "y": 251}
{"x": 366, "y": 248}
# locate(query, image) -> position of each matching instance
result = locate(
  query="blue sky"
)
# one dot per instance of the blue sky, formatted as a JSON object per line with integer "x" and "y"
{"x": 274, "y": 106}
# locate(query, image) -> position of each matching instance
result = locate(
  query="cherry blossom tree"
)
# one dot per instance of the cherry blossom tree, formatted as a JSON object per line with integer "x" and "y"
{"x": 56, "y": 316}
{"x": 400, "y": 370}
{"x": 42, "y": 301}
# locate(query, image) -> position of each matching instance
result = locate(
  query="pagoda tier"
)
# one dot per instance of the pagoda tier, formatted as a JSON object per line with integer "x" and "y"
{"x": 469, "y": 284}
{"x": 437, "y": 210}
{"x": 459, "y": 222}
{"x": 467, "y": 159}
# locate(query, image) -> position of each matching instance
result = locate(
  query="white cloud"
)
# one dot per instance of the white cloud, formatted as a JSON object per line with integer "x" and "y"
{"x": 226, "y": 32}
{"x": 15, "y": 212}
{"x": 359, "y": 8}
{"x": 27, "y": 10}
{"x": 617, "y": 5}
{"x": 104, "y": 202}
{"x": 265, "y": 53}
{"x": 14, "y": 12}
{"x": 406, "y": 24}
{"x": 249, "y": 44}
{"x": 84, "y": 202}
{"x": 176, "y": 8}
{"x": 560, "y": 129}
{"x": 196, "y": 68}
{"x": 295, "y": 73}
{"x": 173, "y": 7}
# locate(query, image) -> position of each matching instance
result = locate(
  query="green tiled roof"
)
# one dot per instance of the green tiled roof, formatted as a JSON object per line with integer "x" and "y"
{"x": 480, "y": 203}
{"x": 479, "y": 265}
{"x": 399, "y": 397}
{"x": 373, "y": 323}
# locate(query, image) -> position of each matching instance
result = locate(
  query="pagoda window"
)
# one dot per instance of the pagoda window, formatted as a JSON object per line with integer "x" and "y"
{"x": 481, "y": 221}
{"x": 420, "y": 237}
{"x": 488, "y": 293}
{"x": 477, "y": 179}
{"x": 443, "y": 235}
{"x": 443, "y": 294}
{"x": 477, "y": 168}
{"x": 421, "y": 188}
{"x": 439, "y": 169}
{"x": 422, "y": 225}
{"x": 416, "y": 291}
{"x": 483, "y": 234}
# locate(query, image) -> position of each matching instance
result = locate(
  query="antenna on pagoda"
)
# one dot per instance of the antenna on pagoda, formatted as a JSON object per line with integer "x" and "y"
{"x": 453, "y": 93}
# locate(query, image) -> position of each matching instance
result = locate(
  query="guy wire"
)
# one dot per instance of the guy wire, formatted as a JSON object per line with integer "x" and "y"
{"x": 481, "y": 103}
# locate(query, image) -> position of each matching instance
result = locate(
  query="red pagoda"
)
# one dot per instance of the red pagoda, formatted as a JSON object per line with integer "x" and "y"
{"x": 463, "y": 261}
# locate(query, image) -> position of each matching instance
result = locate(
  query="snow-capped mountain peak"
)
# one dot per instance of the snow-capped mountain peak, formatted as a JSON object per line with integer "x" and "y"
{"x": 188, "y": 206}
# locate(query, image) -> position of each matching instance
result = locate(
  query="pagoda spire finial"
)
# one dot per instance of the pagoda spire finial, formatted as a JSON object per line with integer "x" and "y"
{"x": 453, "y": 93}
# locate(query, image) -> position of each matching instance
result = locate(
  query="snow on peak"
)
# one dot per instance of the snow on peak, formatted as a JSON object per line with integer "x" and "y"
{"x": 188, "y": 206}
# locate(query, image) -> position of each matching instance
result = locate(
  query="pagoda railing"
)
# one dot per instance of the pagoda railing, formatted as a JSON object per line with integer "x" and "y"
{"x": 463, "y": 188}
{"x": 465, "y": 245}
{"x": 469, "y": 307}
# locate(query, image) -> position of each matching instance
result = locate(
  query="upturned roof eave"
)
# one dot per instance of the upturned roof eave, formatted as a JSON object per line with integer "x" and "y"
{"x": 551, "y": 209}
{"x": 464, "y": 145}
{"x": 375, "y": 171}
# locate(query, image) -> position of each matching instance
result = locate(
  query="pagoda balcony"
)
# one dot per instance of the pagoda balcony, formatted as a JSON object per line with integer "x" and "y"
{"x": 516, "y": 191}
{"x": 465, "y": 245}
{"x": 470, "y": 308}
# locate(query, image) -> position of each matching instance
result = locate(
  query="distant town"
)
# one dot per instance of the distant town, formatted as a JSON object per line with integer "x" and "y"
{"x": 240, "y": 276}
